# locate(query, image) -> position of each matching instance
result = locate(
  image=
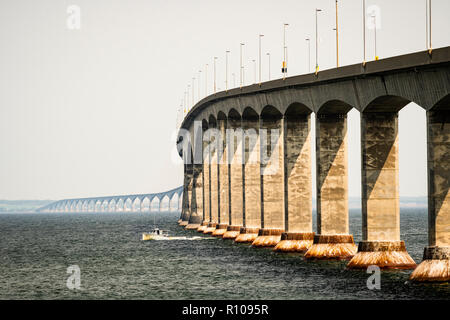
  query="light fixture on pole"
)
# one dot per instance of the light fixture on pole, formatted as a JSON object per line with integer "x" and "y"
{"x": 206, "y": 80}
{"x": 374, "y": 17}
{"x": 241, "y": 68}
{"x": 428, "y": 21}
{"x": 215, "y": 58}
{"x": 254, "y": 71}
{"x": 268, "y": 55}
{"x": 260, "y": 36}
{"x": 364, "y": 32}
{"x": 317, "y": 42}
{"x": 226, "y": 69}
{"x": 309, "y": 54}
{"x": 284, "y": 64}
{"x": 337, "y": 36}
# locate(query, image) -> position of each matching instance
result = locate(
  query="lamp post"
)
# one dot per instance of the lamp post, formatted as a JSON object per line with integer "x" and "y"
{"x": 364, "y": 31}
{"x": 284, "y": 65}
{"x": 206, "y": 80}
{"x": 226, "y": 69}
{"x": 193, "y": 83}
{"x": 428, "y": 22}
{"x": 309, "y": 54}
{"x": 198, "y": 84}
{"x": 215, "y": 58}
{"x": 317, "y": 42}
{"x": 241, "y": 68}
{"x": 254, "y": 71}
{"x": 337, "y": 36}
{"x": 374, "y": 17}
{"x": 268, "y": 55}
{"x": 188, "y": 96}
{"x": 260, "y": 36}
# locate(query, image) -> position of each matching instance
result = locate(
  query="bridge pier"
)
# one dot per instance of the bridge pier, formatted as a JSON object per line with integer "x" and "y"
{"x": 272, "y": 178}
{"x": 187, "y": 194}
{"x": 251, "y": 219}
{"x": 436, "y": 257}
{"x": 223, "y": 178}
{"x": 298, "y": 235}
{"x": 206, "y": 180}
{"x": 381, "y": 243}
{"x": 234, "y": 142}
{"x": 214, "y": 177}
{"x": 333, "y": 240}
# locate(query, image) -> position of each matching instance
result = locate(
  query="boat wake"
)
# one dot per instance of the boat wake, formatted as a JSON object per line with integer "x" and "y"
{"x": 183, "y": 238}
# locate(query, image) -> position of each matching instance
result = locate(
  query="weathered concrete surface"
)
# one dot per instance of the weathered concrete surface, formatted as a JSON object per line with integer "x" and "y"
{"x": 384, "y": 254}
{"x": 436, "y": 258}
{"x": 220, "y": 230}
{"x": 381, "y": 243}
{"x": 268, "y": 238}
{"x": 247, "y": 235}
{"x": 196, "y": 217}
{"x": 224, "y": 191}
{"x": 252, "y": 182}
{"x": 214, "y": 182}
{"x": 332, "y": 184}
{"x": 232, "y": 232}
{"x": 236, "y": 170}
{"x": 298, "y": 207}
{"x": 438, "y": 127}
{"x": 202, "y": 227}
{"x": 380, "y": 198}
{"x": 210, "y": 228}
{"x": 298, "y": 174}
{"x": 331, "y": 247}
{"x": 187, "y": 193}
{"x": 206, "y": 180}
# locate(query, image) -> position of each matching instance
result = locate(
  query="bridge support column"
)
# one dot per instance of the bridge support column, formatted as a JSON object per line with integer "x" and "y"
{"x": 187, "y": 194}
{"x": 196, "y": 217}
{"x": 234, "y": 138}
{"x": 298, "y": 236}
{"x": 251, "y": 179}
{"x": 224, "y": 182}
{"x": 206, "y": 182}
{"x": 213, "y": 182}
{"x": 272, "y": 181}
{"x": 381, "y": 243}
{"x": 436, "y": 257}
{"x": 333, "y": 240}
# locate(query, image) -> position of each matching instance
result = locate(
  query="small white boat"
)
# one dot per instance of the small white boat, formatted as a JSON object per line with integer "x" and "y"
{"x": 156, "y": 234}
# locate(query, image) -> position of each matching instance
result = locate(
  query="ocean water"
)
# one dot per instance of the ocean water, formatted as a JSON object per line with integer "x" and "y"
{"x": 37, "y": 249}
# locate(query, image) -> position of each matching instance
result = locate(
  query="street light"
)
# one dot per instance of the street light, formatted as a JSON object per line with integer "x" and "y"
{"x": 241, "y": 70}
{"x": 193, "y": 82}
{"x": 260, "y": 36}
{"x": 428, "y": 22}
{"x": 337, "y": 36}
{"x": 206, "y": 80}
{"x": 364, "y": 31}
{"x": 226, "y": 69}
{"x": 309, "y": 54}
{"x": 284, "y": 65}
{"x": 375, "y": 33}
{"x": 317, "y": 42}
{"x": 254, "y": 71}
{"x": 215, "y": 58}
{"x": 268, "y": 55}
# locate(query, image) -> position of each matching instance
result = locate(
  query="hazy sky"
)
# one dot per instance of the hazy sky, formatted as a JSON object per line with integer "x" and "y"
{"x": 92, "y": 112}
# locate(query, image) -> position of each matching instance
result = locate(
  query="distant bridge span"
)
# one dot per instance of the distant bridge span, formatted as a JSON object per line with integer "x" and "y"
{"x": 131, "y": 202}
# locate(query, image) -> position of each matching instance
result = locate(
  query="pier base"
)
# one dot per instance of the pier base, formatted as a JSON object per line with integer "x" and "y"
{"x": 268, "y": 238}
{"x": 179, "y": 221}
{"x": 384, "y": 254}
{"x": 232, "y": 232}
{"x": 247, "y": 235}
{"x": 220, "y": 230}
{"x": 210, "y": 228}
{"x": 184, "y": 223}
{"x": 203, "y": 226}
{"x": 435, "y": 266}
{"x": 295, "y": 242}
{"x": 192, "y": 226}
{"x": 332, "y": 247}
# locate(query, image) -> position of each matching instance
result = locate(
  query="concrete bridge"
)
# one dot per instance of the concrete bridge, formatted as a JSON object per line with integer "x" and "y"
{"x": 247, "y": 162}
{"x": 131, "y": 203}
